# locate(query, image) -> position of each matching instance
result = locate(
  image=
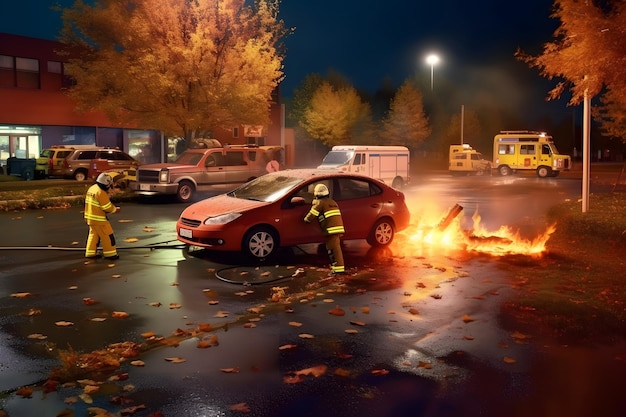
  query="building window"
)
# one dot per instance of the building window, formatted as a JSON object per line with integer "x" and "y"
{"x": 55, "y": 67}
{"x": 235, "y": 132}
{"x": 7, "y": 71}
{"x": 27, "y": 72}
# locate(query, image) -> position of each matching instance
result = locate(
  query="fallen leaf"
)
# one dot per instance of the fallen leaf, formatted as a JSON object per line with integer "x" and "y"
{"x": 175, "y": 360}
{"x": 119, "y": 314}
{"x": 315, "y": 371}
{"x": 249, "y": 325}
{"x": 414, "y": 311}
{"x": 174, "y": 306}
{"x": 287, "y": 346}
{"x": 138, "y": 363}
{"x": 98, "y": 319}
{"x": 37, "y": 336}
{"x": 379, "y": 372}
{"x": 306, "y": 336}
{"x": 509, "y": 360}
{"x": 295, "y": 324}
{"x": 230, "y": 370}
{"x": 467, "y": 319}
{"x": 425, "y": 365}
{"x": 21, "y": 294}
{"x": 241, "y": 407}
{"x": 351, "y": 331}
{"x": 155, "y": 304}
{"x": 467, "y": 337}
{"x": 147, "y": 335}
{"x": 24, "y": 392}
{"x": 221, "y": 314}
{"x": 91, "y": 389}
{"x": 64, "y": 323}
{"x": 208, "y": 342}
{"x": 132, "y": 410}
{"x": 337, "y": 311}
{"x": 89, "y": 301}
{"x": 148, "y": 229}
{"x": 131, "y": 239}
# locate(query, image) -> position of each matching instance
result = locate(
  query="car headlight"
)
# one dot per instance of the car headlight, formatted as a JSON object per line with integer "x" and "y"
{"x": 222, "y": 218}
{"x": 164, "y": 175}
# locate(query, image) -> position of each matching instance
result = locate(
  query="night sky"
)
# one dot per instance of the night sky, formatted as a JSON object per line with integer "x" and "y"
{"x": 369, "y": 40}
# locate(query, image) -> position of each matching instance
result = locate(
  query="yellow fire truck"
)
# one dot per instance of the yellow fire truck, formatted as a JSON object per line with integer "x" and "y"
{"x": 515, "y": 150}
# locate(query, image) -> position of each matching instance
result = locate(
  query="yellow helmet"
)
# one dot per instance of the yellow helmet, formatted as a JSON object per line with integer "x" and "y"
{"x": 321, "y": 191}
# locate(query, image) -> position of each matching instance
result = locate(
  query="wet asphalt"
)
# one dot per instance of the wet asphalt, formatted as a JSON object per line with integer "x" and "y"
{"x": 420, "y": 333}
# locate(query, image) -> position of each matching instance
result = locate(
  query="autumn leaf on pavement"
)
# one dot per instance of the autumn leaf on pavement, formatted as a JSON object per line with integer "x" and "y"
{"x": 295, "y": 324}
{"x": 64, "y": 323}
{"x": 89, "y": 301}
{"x": 131, "y": 240}
{"x": 241, "y": 407}
{"x": 174, "y": 306}
{"x": 119, "y": 314}
{"x": 175, "y": 360}
{"x": 132, "y": 410}
{"x": 379, "y": 372}
{"x": 337, "y": 311}
{"x": 221, "y": 314}
{"x": 24, "y": 392}
{"x": 21, "y": 295}
{"x": 468, "y": 319}
{"x": 230, "y": 370}
{"x": 287, "y": 346}
{"x": 509, "y": 360}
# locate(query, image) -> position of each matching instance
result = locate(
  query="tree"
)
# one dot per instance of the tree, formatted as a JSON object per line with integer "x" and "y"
{"x": 405, "y": 123}
{"x": 338, "y": 116}
{"x": 180, "y": 66}
{"x": 588, "y": 55}
{"x": 472, "y": 130}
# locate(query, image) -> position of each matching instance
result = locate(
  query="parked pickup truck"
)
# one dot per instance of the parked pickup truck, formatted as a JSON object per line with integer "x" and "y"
{"x": 198, "y": 169}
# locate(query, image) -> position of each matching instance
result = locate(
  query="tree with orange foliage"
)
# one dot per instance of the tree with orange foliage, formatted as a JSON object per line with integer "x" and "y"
{"x": 183, "y": 67}
{"x": 588, "y": 54}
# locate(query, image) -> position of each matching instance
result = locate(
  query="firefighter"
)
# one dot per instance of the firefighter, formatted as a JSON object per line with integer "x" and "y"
{"x": 97, "y": 206}
{"x": 327, "y": 212}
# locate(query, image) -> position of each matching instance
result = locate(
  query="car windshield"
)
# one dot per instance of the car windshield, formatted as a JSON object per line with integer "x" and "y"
{"x": 268, "y": 188}
{"x": 188, "y": 158}
{"x": 337, "y": 157}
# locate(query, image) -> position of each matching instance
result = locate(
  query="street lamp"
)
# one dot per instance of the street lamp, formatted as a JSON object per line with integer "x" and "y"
{"x": 432, "y": 60}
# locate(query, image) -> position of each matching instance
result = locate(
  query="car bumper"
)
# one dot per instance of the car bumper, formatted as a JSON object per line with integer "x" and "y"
{"x": 150, "y": 188}
{"x": 210, "y": 239}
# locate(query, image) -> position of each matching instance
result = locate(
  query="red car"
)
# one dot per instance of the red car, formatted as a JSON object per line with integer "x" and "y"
{"x": 268, "y": 212}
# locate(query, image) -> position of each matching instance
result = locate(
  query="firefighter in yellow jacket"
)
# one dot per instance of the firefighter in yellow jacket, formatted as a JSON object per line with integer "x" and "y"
{"x": 97, "y": 206}
{"x": 327, "y": 212}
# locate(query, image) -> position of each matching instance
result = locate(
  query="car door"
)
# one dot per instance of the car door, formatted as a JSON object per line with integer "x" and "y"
{"x": 291, "y": 226}
{"x": 360, "y": 202}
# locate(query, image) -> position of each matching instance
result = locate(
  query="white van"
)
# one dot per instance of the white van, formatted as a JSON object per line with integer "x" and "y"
{"x": 389, "y": 164}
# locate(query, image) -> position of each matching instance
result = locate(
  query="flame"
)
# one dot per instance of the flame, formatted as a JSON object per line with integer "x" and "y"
{"x": 427, "y": 235}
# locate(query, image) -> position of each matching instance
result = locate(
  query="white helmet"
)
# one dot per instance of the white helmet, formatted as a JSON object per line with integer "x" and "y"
{"x": 321, "y": 191}
{"x": 105, "y": 180}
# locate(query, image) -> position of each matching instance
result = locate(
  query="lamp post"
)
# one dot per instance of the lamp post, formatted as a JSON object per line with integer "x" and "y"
{"x": 432, "y": 60}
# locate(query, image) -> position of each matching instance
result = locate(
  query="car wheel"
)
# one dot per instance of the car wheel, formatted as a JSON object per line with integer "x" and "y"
{"x": 382, "y": 233}
{"x": 504, "y": 170}
{"x": 80, "y": 175}
{"x": 260, "y": 243}
{"x": 543, "y": 172}
{"x": 185, "y": 191}
{"x": 397, "y": 183}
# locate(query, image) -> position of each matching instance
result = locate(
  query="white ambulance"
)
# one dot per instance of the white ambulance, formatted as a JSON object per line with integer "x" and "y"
{"x": 389, "y": 164}
{"x": 519, "y": 150}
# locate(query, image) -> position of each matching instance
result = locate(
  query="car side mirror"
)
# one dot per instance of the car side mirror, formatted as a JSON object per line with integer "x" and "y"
{"x": 297, "y": 201}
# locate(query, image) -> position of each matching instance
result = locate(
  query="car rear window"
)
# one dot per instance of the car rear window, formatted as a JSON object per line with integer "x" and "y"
{"x": 87, "y": 155}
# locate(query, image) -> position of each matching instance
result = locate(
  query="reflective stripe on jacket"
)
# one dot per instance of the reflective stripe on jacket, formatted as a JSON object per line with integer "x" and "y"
{"x": 328, "y": 214}
{"x": 97, "y": 205}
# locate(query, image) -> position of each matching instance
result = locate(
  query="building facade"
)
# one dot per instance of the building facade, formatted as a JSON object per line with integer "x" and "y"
{"x": 35, "y": 112}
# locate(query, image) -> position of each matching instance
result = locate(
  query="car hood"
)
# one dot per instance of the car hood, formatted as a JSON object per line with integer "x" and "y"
{"x": 219, "y": 205}
{"x": 168, "y": 165}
